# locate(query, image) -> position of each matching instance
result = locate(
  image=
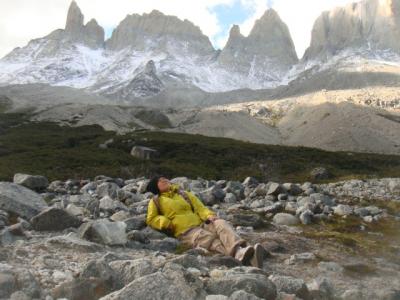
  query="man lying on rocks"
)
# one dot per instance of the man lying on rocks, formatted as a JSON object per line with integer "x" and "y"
{"x": 182, "y": 214}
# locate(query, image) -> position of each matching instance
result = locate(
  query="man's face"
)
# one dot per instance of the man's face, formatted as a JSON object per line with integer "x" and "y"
{"x": 163, "y": 184}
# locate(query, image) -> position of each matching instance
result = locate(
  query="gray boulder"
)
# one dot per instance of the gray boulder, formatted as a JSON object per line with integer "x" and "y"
{"x": 253, "y": 283}
{"x": 81, "y": 288}
{"x": 173, "y": 283}
{"x": 275, "y": 189}
{"x": 321, "y": 288}
{"x": 236, "y": 188}
{"x": 71, "y": 241}
{"x": 8, "y": 285}
{"x": 104, "y": 232}
{"x": 320, "y": 173}
{"x": 250, "y": 182}
{"x": 285, "y": 219}
{"x": 33, "y": 182}
{"x": 306, "y": 217}
{"x": 100, "y": 269}
{"x": 107, "y": 189}
{"x": 143, "y": 152}
{"x": 213, "y": 195}
{"x": 292, "y": 189}
{"x": 129, "y": 270}
{"x": 343, "y": 210}
{"x": 243, "y": 295}
{"x": 135, "y": 223}
{"x": 290, "y": 285}
{"x": 252, "y": 220}
{"x": 20, "y": 200}
{"x": 54, "y": 219}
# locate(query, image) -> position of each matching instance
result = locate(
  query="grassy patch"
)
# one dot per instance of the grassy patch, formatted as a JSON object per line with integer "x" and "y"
{"x": 380, "y": 238}
{"x": 61, "y": 152}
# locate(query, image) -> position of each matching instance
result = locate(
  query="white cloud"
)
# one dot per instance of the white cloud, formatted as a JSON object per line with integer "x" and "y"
{"x": 23, "y": 20}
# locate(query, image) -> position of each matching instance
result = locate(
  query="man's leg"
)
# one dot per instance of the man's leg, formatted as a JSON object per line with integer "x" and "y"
{"x": 200, "y": 237}
{"x": 228, "y": 236}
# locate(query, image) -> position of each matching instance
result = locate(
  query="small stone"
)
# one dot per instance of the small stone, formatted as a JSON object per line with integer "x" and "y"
{"x": 343, "y": 210}
{"x": 330, "y": 267}
{"x": 320, "y": 173}
{"x": 306, "y": 217}
{"x": 301, "y": 258}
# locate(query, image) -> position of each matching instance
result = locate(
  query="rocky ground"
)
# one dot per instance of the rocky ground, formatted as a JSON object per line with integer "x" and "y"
{"x": 87, "y": 239}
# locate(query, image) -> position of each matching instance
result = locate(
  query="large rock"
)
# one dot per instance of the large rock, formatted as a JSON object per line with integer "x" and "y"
{"x": 135, "y": 223}
{"x": 8, "y": 285}
{"x": 54, "y": 219}
{"x": 104, "y": 232}
{"x": 285, "y": 219}
{"x": 237, "y": 279}
{"x": 33, "y": 182}
{"x": 143, "y": 152}
{"x": 275, "y": 189}
{"x": 20, "y": 200}
{"x": 71, "y": 241}
{"x": 290, "y": 285}
{"x": 101, "y": 269}
{"x": 173, "y": 283}
{"x": 129, "y": 270}
{"x": 109, "y": 189}
{"x": 81, "y": 288}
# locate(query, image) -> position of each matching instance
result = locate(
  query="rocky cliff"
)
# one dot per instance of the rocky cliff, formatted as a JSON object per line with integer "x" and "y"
{"x": 269, "y": 47}
{"x": 160, "y": 32}
{"x": 369, "y": 24}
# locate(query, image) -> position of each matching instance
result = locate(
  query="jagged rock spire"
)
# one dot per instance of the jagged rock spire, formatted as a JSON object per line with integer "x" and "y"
{"x": 269, "y": 46}
{"x": 91, "y": 34}
{"x": 74, "y": 19}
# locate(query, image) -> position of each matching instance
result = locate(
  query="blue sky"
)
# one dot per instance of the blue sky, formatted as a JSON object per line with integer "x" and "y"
{"x": 23, "y": 20}
{"x": 228, "y": 15}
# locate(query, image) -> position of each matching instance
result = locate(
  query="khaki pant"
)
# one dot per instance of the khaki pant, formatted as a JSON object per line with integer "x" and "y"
{"x": 217, "y": 236}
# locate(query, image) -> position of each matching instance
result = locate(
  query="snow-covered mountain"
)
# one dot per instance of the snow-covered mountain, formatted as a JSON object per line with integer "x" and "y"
{"x": 154, "y": 56}
{"x": 180, "y": 54}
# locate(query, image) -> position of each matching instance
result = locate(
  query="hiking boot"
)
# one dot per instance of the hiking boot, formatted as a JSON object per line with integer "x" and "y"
{"x": 244, "y": 254}
{"x": 258, "y": 257}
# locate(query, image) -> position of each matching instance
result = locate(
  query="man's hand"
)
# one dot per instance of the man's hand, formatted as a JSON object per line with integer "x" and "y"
{"x": 212, "y": 218}
{"x": 171, "y": 227}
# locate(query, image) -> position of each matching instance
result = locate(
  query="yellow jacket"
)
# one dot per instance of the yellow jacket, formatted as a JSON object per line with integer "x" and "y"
{"x": 177, "y": 211}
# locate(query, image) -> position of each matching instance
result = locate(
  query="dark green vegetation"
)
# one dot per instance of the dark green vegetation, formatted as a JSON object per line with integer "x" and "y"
{"x": 64, "y": 152}
{"x": 5, "y": 103}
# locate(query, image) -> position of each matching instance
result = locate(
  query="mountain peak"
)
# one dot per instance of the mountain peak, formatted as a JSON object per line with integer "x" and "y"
{"x": 235, "y": 31}
{"x": 167, "y": 31}
{"x": 269, "y": 23}
{"x": 74, "y": 19}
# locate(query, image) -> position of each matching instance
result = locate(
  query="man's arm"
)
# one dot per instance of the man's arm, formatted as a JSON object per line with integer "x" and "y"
{"x": 155, "y": 220}
{"x": 199, "y": 208}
